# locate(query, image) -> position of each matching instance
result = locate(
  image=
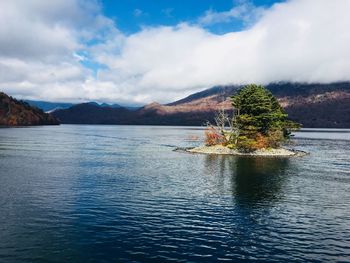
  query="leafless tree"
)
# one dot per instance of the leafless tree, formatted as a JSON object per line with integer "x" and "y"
{"x": 225, "y": 126}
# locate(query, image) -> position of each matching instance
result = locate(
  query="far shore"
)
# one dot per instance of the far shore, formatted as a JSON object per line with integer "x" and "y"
{"x": 222, "y": 150}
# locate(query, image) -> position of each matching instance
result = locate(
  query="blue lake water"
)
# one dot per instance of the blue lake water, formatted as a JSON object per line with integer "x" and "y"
{"x": 75, "y": 193}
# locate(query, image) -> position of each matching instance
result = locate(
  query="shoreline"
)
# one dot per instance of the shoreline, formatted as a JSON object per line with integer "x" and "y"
{"x": 222, "y": 150}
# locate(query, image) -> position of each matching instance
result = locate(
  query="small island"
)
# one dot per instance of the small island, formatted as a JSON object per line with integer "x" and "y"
{"x": 257, "y": 126}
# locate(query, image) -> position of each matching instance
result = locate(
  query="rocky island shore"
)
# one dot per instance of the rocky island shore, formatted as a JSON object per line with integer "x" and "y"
{"x": 223, "y": 150}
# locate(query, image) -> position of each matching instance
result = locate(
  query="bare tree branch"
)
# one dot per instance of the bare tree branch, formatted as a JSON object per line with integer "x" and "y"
{"x": 225, "y": 126}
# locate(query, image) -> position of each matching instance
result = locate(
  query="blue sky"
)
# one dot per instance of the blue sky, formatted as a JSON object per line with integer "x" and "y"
{"x": 138, "y": 51}
{"x": 131, "y": 15}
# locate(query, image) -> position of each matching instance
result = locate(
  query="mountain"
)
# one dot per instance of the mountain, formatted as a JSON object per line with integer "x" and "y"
{"x": 93, "y": 113}
{"x": 20, "y": 113}
{"x": 48, "y": 106}
{"x": 316, "y": 106}
{"x": 110, "y": 105}
{"x": 313, "y": 105}
{"x": 53, "y": 106}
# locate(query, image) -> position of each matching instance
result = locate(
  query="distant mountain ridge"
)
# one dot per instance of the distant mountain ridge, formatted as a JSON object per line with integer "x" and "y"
{"x": 313, "y": 105}
{"x": 19, "y": 113}
{"x": 48, "y": 106}
{"x": 93, "y": 113}
{"x": 52, "y": 106}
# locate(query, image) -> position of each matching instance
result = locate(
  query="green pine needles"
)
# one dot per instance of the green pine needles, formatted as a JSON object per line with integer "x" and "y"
{"x": 261, "y": 120}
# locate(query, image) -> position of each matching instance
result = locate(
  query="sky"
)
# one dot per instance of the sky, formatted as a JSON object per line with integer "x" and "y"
{"x": 134, "y": 52}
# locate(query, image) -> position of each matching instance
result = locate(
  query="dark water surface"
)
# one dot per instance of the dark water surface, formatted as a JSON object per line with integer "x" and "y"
{"x": 119, "y": 193}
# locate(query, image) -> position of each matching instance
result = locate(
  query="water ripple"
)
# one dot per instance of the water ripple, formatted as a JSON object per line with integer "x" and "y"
{"x": 119, "y": 193}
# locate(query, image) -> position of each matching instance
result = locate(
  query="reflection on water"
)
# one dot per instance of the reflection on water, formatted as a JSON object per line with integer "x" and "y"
{"x": 259, "y": 180}
{"x": 254, "y": 181}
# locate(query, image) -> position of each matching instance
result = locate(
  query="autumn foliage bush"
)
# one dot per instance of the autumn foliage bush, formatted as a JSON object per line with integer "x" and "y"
{"x": 261, "y": 141}
{"x": 212, "y": 137}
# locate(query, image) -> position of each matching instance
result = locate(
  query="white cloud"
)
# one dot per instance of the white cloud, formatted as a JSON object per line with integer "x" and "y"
{"x": 40, "y": 29}
{"x": 245, "y": 11}
{"x": 39, "y": 45}
{"x": 299, "y": 40}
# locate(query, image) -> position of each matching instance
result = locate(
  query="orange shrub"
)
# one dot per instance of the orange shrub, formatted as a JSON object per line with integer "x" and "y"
{"x": 212, "y": 137}
{"x": 261, "y": 141}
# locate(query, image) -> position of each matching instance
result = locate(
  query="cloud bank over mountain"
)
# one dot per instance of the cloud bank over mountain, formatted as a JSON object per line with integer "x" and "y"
{"x": 64, "y": 50}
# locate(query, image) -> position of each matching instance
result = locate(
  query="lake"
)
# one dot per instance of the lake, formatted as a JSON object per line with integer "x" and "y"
{"x": 84, "y": 193}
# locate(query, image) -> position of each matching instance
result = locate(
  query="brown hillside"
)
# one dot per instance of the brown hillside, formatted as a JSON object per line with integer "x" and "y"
{"x": 19, "y": 113}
